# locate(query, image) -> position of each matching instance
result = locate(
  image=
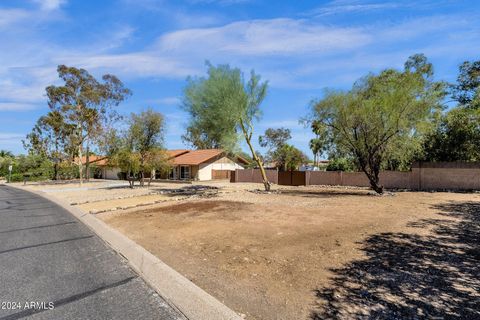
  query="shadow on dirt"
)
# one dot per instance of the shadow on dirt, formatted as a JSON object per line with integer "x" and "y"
{"x": 409, "y": 276}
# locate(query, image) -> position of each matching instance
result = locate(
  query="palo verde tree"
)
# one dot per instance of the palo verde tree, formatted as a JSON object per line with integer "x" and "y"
{"x": 222, "y": 107}
{"x": 378, "y": 111}
{"x": 140, "y": 150}
{"x": 145, "y": 136}
{"x": 85, "y": 104}
{"x": 49, "y": 138}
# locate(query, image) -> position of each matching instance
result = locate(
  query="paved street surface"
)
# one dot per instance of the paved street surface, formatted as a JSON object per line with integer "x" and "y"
{"x": 48, "y": 256}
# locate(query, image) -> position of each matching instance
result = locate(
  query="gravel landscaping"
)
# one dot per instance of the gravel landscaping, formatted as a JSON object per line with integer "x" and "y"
{"x": 306, "y": 252}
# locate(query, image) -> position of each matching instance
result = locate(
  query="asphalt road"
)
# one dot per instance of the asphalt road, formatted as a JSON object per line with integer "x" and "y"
{"x": 48, "y": 257}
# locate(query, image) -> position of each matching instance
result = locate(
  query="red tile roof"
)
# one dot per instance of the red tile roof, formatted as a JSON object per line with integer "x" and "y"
{"x": 96, "y": 160}
{"x": 178, "y": 157}
{"x": 196, "y": 157}
{"x": 176, "y": 153}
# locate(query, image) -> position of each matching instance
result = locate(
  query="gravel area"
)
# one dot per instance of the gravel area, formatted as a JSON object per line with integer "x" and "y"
{"x": 318, "y": 252}
{"x": 306, "y": 252}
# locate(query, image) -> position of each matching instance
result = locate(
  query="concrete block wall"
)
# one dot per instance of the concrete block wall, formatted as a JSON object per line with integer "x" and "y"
{"x": 423, "y": 176}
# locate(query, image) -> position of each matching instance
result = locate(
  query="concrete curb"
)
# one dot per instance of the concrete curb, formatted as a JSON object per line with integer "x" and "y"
{"x": 188, "y": 298}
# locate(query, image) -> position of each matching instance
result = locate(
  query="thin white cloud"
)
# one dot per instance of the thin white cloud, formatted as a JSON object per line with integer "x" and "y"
{"x": 169, "y": 101}
{"x": 13, "y": 106}
{"x": 139, "y": 64}
{"x": 11, "y": 16}
{"x": 288, "y": 123}
{"x": 221, "y": 2}
{"x": 49, "y": 5}
{"x": 265, "y": 37}
{"x": 11, "y": 139}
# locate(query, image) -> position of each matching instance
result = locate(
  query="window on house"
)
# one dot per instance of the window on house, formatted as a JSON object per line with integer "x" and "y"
{"x": 172, "y": 173}
{"x": 185, "y": 172}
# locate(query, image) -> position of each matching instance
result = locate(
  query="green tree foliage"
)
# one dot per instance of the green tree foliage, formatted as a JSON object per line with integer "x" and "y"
{"x": 319, "y": 144}
{"x": 456, "y": 138}
{"x": 85, "y": 104}
{"x": 273, "y": 140}
{"x": 6, "y": 158}
{"x": 34, "y": 167}
{"x": 222, "y": 106}
{"x": 467, "y": 89}
{"x": 210, "y": 101}
{"x": 140, "y": 151}
{"x": 288, "y": 157}
{"x": 340, "y": 164}
{"x": 146, "y": 136}
{"x": 380, "y": 111}
{"x": 49, "y": 138}
{"x": 457, "y": 134}
{"x": 6, "y": 154}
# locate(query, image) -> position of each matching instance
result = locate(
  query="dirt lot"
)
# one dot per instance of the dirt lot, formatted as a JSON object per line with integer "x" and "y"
{"x": 313, "y": 252}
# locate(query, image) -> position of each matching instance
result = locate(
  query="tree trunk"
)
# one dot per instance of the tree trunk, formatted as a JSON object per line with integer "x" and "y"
{"x": 142, "y": 179}
{"x": 131, "y": 182}
{"x": 87, "y": 163}
{"x": 55, "y": 170}
{"x": 80, "y": 166}
{"x": 266, "y": 183}
{"x": 150, "y": 180}
{"x": 373, "y": 177}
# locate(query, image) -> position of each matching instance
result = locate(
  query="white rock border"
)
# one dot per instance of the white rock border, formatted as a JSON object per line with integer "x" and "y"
{"x": 192, "y": 301}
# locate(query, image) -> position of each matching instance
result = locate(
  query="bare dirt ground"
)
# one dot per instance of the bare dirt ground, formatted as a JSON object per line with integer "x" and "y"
{"x": 317, "y": 252}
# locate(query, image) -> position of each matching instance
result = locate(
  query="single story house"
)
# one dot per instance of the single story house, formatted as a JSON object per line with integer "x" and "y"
{"x": 100, "y": 169}
{"x": 199, "y": 165}
{"x": 203, "y": 164}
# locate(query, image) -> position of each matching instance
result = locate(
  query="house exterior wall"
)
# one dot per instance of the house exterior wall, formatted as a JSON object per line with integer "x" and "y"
{"x": 194, "y": 170}
{"x": 223, "y": 163}
{"x": 111, "y": 173}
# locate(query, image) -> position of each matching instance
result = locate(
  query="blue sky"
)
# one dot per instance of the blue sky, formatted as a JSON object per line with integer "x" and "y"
{"x": 301, "y": 47}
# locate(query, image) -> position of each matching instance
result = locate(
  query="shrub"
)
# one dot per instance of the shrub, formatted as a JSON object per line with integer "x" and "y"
{"x": 340, "y": 164}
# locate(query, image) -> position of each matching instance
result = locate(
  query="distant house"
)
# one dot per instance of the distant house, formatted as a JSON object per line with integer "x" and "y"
{"x": 100, "y": 169}
{"x": 200, "y": 165}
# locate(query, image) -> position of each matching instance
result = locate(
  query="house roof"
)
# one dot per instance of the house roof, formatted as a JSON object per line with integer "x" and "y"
{"x": 97, "y": 160}
{"x": 176, "y": 153}
{"x": 178, "y": 157}
{"x": 196, "y": 157}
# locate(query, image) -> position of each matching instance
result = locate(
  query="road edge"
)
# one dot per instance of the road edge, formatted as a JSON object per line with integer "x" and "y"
{"x": 188, "y": 298}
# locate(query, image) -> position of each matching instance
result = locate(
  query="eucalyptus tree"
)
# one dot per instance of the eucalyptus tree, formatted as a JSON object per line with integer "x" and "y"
{"x": 274, "y": 139}
{"x": 86, "y": 104}
{"x": 223, "y": 107}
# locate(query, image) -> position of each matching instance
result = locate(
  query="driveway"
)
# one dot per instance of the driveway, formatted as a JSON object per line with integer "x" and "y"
{"x": 54, "y": 267}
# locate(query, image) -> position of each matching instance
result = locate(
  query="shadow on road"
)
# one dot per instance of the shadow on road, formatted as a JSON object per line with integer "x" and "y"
{"x": 409, "y": 276}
